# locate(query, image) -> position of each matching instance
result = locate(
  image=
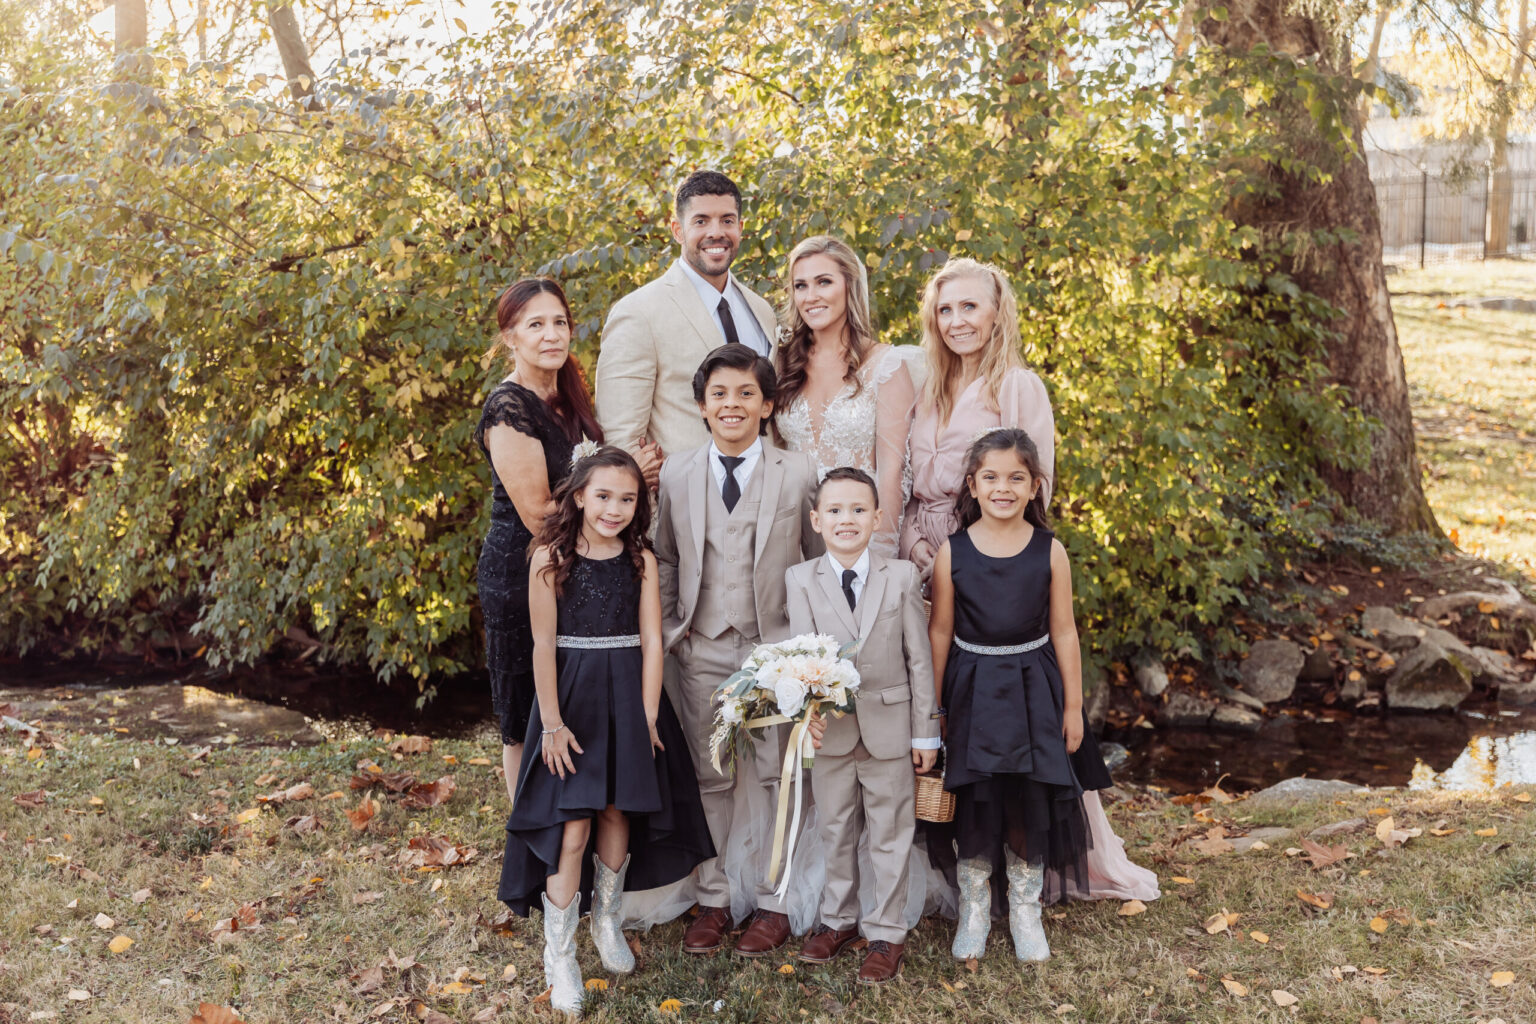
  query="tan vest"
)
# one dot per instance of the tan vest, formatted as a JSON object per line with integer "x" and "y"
{"x": 726, "y": 598}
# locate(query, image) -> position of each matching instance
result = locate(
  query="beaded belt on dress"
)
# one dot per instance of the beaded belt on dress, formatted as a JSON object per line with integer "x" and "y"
{"x": 1010, "y": 649}
{"x": 597, "y": 643}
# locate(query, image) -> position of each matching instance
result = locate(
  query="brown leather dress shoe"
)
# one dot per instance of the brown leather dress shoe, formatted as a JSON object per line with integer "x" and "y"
{"x": 707, "y": 932}
{"x": 882, "y": 963}
{"x": 768, "y": 931}
{"x": 823, "y": 944}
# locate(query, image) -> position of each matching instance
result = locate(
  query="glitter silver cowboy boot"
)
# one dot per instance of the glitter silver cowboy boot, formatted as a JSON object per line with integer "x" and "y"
{"x": 607, "y": 936}
{"x": 560, "y": 967}
{"x": 975, "y": 909}
{"x": 1025, "y": 881}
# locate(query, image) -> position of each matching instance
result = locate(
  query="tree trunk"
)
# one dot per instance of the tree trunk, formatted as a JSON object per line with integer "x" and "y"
{"x": 290, "y": 46}
{"x": 1500, "y": 185}
{"x": 1372, "y": 63}
{"x": 1363, "y": 355}
{"x": 130, "y": 22}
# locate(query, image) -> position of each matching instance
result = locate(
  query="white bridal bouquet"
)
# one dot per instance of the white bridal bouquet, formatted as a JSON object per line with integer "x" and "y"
{"x": 778, "y": 684}
{"x": 784, "y": 682}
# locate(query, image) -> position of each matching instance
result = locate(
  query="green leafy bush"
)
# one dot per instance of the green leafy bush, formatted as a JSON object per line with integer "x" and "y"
{"x": 243, "y": 345}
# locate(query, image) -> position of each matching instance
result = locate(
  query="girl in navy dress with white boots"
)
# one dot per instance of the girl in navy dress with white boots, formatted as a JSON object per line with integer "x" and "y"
{"x": 1009, "y": 672}
{"x": 603, "y": 744}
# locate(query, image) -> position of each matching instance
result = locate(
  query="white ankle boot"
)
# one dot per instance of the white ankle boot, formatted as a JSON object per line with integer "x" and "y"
{"x": 560, "y": 967}
{"x": 607, "y": 935}
{"x": 1025, "y": 881}
{"x": 975, "y": 909}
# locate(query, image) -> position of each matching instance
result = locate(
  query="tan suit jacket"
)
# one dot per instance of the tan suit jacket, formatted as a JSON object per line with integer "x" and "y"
{"x": 654, "y": 340}
{"x": 784, "y": 536}
{"x": 895, "y": 699}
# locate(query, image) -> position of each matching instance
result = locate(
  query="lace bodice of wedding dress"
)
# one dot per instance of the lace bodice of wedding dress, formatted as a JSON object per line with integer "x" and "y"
{"x": 865, "y": 427}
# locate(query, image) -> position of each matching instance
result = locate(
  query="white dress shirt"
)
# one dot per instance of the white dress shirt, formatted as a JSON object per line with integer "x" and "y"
{"x": 861, "y": 573}
{"x": 748, "y": 331}
{"x": 743, "y": 473}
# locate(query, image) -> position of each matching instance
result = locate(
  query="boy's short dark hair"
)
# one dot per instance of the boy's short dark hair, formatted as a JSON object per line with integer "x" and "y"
{"x": 705, "y": 183}
{"x": 850, "y": 473}
{"x": 736, "y": 356}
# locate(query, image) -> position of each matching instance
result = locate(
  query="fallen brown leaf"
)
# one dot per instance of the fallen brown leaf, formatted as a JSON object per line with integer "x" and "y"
{"x": 208, "y": 1013}
{"x": 228, "y": 929}
{"x": 1234, "y": 986}
{"x": 367, "y": 981}
{"x": 430, "y": 794}
{"x": 411, "y": 745}
{"x": 303, "y": 824}
{"x": 1391, "y": 836}
{"x": 1323, "y": 856}
{"x": 1322, "y": 901}
{"x": 1219, "y": 922}
{"x": 1130, "y": 908}
{"x": 36, "y": 798}
{"x": 435, "y": 851}
{"x": 363, "y": 814}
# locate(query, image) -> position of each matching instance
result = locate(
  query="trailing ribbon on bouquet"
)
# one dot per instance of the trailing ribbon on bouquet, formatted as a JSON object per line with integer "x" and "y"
{"x": 798, "y": 756}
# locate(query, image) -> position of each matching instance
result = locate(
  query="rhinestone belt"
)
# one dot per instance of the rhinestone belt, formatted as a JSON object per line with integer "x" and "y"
{"x": 1010, "y": 649}
{"x": 596, "y": 643}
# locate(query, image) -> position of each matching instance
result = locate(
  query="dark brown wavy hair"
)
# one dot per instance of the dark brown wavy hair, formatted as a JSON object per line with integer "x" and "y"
{"x": 1001, "y": 439}
{"x": 571, "y": 403}
{"x": 562, "y": 527}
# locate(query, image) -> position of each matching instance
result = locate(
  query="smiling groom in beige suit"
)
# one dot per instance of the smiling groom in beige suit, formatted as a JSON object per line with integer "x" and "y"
{"x": 657, "y": 335}
{"x": 862, "y": 777}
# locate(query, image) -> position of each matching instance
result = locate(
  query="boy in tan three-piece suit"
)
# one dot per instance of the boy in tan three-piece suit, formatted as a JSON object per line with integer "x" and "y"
{"x": 731, "y": 517}
{"x": 862, "y": 777}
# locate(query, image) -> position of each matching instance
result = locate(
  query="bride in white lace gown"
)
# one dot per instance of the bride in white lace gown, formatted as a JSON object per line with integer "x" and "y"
{"x": 843, "y": 398}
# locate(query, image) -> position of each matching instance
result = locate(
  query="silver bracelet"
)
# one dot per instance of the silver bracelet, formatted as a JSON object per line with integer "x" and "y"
{"x": 551, "y": 732}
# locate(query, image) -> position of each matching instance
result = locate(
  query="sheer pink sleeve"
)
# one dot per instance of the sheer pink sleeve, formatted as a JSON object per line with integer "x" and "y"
{"x": 895, "y": 402}
{"x": 1024, "y": 403}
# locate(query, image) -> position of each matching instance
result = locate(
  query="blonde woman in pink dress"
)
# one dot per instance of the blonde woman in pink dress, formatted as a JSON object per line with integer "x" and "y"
{"x": 843, "y": 398}
{"x": 977, "y": 380}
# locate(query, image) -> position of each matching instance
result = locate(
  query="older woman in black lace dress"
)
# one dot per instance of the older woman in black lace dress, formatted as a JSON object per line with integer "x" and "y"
{"x": 529, "y": 426}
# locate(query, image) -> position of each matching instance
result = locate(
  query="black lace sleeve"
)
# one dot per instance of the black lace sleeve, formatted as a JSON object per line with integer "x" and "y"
{"x": 511, "y": 405}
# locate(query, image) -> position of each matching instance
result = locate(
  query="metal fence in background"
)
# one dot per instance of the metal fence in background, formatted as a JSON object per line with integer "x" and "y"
{"x": 1425, "y": 219}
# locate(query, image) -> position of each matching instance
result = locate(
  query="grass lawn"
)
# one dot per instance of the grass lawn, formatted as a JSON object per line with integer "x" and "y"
{"x": 1472, "y": 378}
{"x": 160, "y": 844}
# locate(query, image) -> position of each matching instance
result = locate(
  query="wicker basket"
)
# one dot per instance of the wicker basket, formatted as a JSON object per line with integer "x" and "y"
{"x": 932, "y": 801}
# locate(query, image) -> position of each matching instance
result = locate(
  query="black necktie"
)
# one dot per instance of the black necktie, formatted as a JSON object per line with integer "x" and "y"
{"x": 730, "y": 491}
{"x": 848, "y": 577}
{"x": 727, "y": 324}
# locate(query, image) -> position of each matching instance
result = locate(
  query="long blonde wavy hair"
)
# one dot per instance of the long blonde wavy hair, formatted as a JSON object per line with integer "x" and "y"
{"x": 859, "y": 328}
{"x": 1002, "y": 353}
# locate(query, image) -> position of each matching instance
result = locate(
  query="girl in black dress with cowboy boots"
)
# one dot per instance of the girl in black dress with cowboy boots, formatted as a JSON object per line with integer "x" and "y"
{"x": 1006, "y": 653}
{"x": 603, "y": 745}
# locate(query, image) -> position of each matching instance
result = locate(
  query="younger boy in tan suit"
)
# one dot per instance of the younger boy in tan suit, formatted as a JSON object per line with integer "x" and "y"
{"x": 732, "y": 516}
{"x": 862, "y": 777}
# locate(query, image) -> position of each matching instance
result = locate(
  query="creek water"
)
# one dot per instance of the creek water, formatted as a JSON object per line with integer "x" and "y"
{"x": 1477, "y": 747}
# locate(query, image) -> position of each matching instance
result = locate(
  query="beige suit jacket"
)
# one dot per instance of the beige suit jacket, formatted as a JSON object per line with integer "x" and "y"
{"x": 653, "y": 342}
{"x": 895, "y": 701}
{"x": 784, "y": 536}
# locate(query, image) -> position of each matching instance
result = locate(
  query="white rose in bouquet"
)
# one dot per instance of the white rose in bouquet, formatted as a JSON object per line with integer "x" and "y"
{"x": 731, "y": 713}
{"x": 789, "y": 693}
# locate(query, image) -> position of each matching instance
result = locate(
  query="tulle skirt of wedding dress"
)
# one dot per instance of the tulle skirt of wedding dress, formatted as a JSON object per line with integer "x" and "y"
{"x": 1111, "y": 874}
